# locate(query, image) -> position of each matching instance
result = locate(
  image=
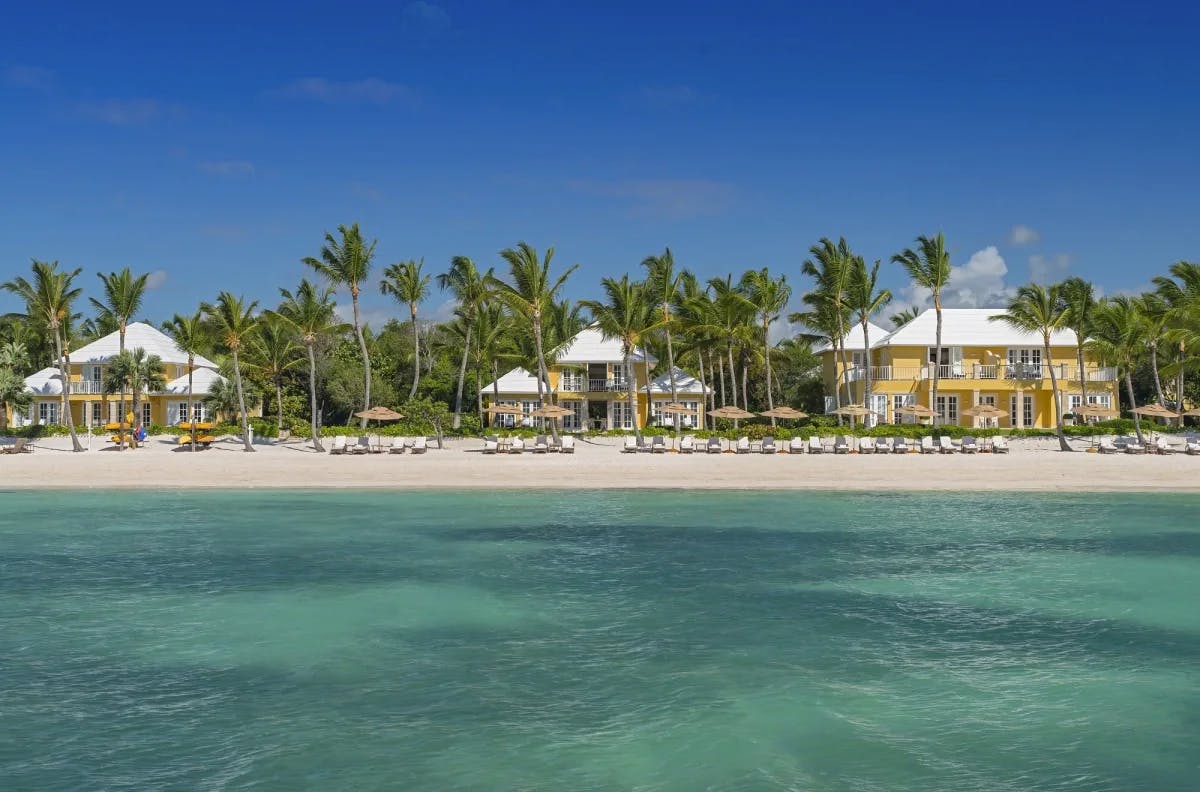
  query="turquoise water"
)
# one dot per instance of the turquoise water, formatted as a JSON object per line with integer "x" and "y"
{"x": 598, "y": 641}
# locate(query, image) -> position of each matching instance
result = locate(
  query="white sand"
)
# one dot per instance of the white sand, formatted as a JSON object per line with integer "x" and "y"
{"x": 1033, "y": 465}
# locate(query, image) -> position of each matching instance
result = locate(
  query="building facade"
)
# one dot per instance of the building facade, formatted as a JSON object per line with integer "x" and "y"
{"x": 92, "y": 406}
{"x": 589, "y": 377}
{"x": 981, "y": 362}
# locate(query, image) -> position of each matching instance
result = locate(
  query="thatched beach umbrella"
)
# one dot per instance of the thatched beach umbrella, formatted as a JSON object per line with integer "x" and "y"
{"x": 1097, "y": 411}
{"x": 1192, "y": 413}
{"x": 675, "y": 408}
{"x": 784, "y": 413}
{"x": 988, "y": 411}
{"x": 503, "y": 409}
{"x": 379, "y": 414}
{"x": 551, "y": 411}
{"x": 1155, "y": 411}
{"x": 734, "y": 413}
{"x": 854, "y": 411}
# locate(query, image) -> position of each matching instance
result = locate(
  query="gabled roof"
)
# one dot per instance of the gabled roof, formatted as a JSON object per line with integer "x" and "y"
{"x": 854, "y": 339}
{"x": 47, "y": 382}
{"x": 684, "y": 383}
{"x": 137, "y": 334}
{"x": 203, "y": 380}
{"x": 517, "y": 381}
{"x": 968, "y": 327}
{"x": 590, "y": 346}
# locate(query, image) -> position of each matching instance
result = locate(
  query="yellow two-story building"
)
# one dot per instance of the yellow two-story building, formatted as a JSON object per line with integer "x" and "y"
{"x": 981, "y": 362}
{"x": 589, "y": 377}
{"x": 91, "y": 405}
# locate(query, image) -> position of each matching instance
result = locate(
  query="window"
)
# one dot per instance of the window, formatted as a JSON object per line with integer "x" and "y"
{"x": 145, "y": 413}
{"x": 903, "y": 400}
{"x": 622, "y": 415}
{"x": 951, "y": 363}
{"x": 97, "y": 413}
{"x": 947, "y": 409}
{"x": 1025, "y": 363}
{"x": 574, "y": 421}
{"x": 1027, "y": 412}
{"x": 674, "y": 419}
{"x": 933, "y": 356}
{"x": 988, "y": 398}
{"x": 47, "y": 412}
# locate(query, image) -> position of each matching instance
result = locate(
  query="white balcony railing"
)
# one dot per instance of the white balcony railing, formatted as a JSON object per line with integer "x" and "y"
{"x": 979, "y": 371}
{"x": 87, "y": 386}
{"x": 575, "y": 384}
{"x": 607, "y": 385}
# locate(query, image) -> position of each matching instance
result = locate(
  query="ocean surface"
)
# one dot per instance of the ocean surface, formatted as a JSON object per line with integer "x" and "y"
{"x": 598, "y": 641}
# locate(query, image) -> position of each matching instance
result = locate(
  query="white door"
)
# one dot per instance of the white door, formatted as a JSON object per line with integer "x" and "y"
{"x": 878, "y": 407}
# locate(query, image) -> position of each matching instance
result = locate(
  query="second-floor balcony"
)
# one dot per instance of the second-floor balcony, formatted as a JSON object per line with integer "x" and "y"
{"x": 977, "y": 371}
{"x": 607, "y": 385}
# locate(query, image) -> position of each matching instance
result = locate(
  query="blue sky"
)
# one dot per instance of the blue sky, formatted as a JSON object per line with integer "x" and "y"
{"x": 214, "y": 144}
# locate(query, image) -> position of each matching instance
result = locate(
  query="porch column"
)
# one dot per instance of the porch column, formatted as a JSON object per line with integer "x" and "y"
{"x": 1020, "y": 409}
{"x": 974, "y": 401}
{"x": 87, "y": 414}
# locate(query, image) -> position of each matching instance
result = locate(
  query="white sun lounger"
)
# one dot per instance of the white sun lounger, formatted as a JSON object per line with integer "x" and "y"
{"x": 630, "y": 446}
{"x": 815, "y": 446}
{"x": 883, "y": 445}
{"x": 743, "y": 445}
{"x": 900, "y": 446}
{"x": 841, "y": 445}
{"x": 567, "y": 443}
{"x": 946, "y": 445}
{"x": 339, "y": 445}
{"x": 1000, "y": 444}
{"x": 1162, "y": 447}
{"x": 659, "y": 444}
{"x": 713, "y": 446}
{"x": 540, "y": 445}
{"x": 970, "y": 446}
{"x": 927, "y": 446}
{"x": 517, "y": 446}
{"x": 420, "y": 445}
{"x": 796, "y": 445}
{"x": 1192, "y": 446}
{"x": 397, "y": 446}
{"x": 687, "y": 445}
{"x": 866, "y": 445}
{"x": 768, "y": 445}
{"x": 1106, "y": 447}
{"x": 490, "y": 444}
{"x": 1132, "y": 446}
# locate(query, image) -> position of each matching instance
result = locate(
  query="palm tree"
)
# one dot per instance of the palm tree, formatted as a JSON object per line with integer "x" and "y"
{"x": 234, "y": 323}
{"x": 865, "y": 299}
{"x": 531, "y": 296}
{"x": 1181, "y": 293}
{"x": 123, "y": 295}
{"x": 732, "y": 320}
{"x": 348, "y": 263}
{"x": 901, "y": 318}
{"x": 407, "y": 284}
{"x": 138, "y": 371}
{"x": 1040, "y": 310}
{"x": 310, "y": 314}
{"x": 768, "y": 296}
{"x": 830, "y": 268}
{"x": 272, "y": 352}
{"x": 13, "y": 394}
{"x": 493, "y": 340}
{"x": 929, "y": 268}
{"x": 48, "y": 300}
{"x": 191, "y": 334}
{"x": 470, "y": 289}
{"x": 1079, "y": 296}
{"x": 1118, "y": 338}
{"x": 663, "y": 286}
{"x": 627, "y": 314}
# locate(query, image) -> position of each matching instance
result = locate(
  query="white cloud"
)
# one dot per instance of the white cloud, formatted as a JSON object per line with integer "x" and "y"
{"x": 369, "y": 91}
{"x": 443, "y": 312}
{"x": 1049, "y": 269}
{"x": 376, "y": 318}
{"x": 123, "y": 112}
{"x": 977, "y": 284}
{"x": 156, "y": 279}
{"x": 427, "y": 14}
{"x": 672, "y": 199}
{"x": 227, "y": 168}
{"x": 33, "y": 77}
{"x": 1023, "y": 235}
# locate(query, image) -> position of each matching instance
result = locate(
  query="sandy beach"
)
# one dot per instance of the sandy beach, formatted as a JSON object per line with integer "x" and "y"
{"x": 1033, "y": 465}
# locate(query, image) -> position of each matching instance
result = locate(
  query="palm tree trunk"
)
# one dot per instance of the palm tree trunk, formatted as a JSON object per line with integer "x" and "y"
{"x": 121, "y": 416}
{"x": 937, "y": 366}
{"x": 1179, "y": 382}
{"x": 479, "y": 396}
{"x": 136, "y": 403}
{"x": 1157, "y": 382}
{"x": 279, "y": 404}
{"x": 66, "y": 389}
{"x": 543, "y": 375}
{"x": 649, "y": 395}
{"x": 1137, "y": 424}
{"x": 412, "y": 308}
{"x": 631, "y": 389}
{"x": 732, "y": 377}
{"x": 745, "y": 370}
{"x": 462, "y": 375}
{"x": 1063, "y": 445}
{"x": 1082, "y": 373}
{"x": 767, "y": 356}
{"x": 838, "y": 378}
{"x": 312, "y": 398}
{"x": 190, "y": 416}
{"x": 362, "y": 346}
{"x": 703, "y": 393}
{"x": 237, "y": 380}
{"x": 867, "y": 373}
{"x": 671, "y": 366}
{"x": 719, "y": 375}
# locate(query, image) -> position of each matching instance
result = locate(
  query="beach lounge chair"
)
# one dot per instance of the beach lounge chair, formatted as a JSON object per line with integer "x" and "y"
{"x": 768, "y": 445}
{"x": 375, "y": 445}
{"x": 1000, "y": 444}
{"x": 743, "y": 445}
{"x": 1162, "y": 447}
{"x": 517, "y": 447}
{"x": 490, "y": 444}
{"x": 658, "y": 444}
{"x": 687, "y": 445}
{"x": 841, "y": 445}
{"x": 363, "y": 446}
{"x": 1132, "y": 446}
{"x": 796, "y": 445}
{"x": 866, "y": 445}
{"x": 540, "y": 446}
{"x": 945, "y": 445}
{"x": 1192, "y": 446}
{"x": 927, "y": 446}
{"x": 883, "y": 445}
{"x": 339, "y": 445}
{"x": 713, "y": 446}
{"x": 643, "y": 445}
{"x": 554, "y": 445}
{"x": 630, "y": 445}
{"x": 420, "y": 445}
{"x": 396, "y": 446}
{"x": 900, "y": 446}
{"x": 970, "y": 445}
{"x": 567, "y": 444}
{"x": 814, "y": 445}
{"x": 20, "y": 446}
{"x": 1106, "y": 447}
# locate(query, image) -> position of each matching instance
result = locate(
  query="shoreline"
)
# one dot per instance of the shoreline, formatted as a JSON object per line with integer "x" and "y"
{"x": 1032, "y": 466}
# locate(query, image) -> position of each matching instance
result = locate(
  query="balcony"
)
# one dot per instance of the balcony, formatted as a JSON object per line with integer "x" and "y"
{"x": 607, "y": 385}
{"x": 1025, "y": 372}
{"x": 87, "y": 387}
{"x": 572, "y": 383}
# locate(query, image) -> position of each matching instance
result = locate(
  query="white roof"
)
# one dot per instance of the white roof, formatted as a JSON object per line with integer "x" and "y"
{"x": 684, "y": 383}
{"x": 47, "y": 382}
{"x": 854, "y": 339}
{"x": 517, "y": 381}
{"x": 202, "y": 381}
{"x": 968, "y": 327}
{"x": 590, "y": 346}
{"x": 137, "y": 334}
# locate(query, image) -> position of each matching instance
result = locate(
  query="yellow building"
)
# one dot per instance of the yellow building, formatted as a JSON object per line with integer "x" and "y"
{"x": 91, "y": 406}
{"x": 982, "y": 362}
{"x": 589, "y": 378}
